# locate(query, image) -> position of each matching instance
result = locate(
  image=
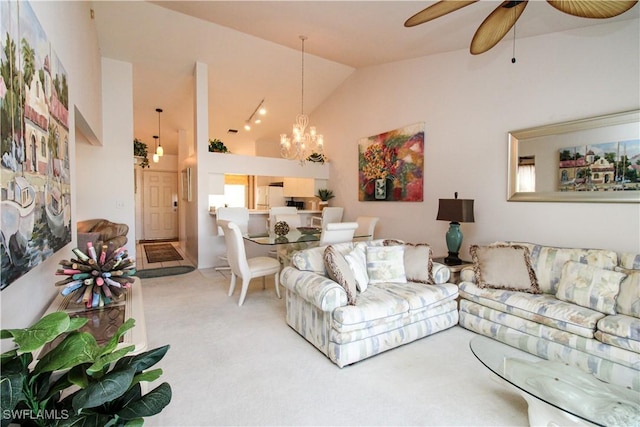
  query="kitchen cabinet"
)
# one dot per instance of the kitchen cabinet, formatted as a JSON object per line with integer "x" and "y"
{"x": 299, "y": 187}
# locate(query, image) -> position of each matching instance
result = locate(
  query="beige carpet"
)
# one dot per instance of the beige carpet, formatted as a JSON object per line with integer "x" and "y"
{"x": 231, "y": 365}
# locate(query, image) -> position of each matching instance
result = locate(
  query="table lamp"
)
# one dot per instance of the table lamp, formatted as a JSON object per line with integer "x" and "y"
{"x": 457, "y": 211}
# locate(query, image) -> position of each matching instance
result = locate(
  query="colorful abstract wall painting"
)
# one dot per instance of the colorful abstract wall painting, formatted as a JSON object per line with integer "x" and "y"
{"x": 391, "y": 165}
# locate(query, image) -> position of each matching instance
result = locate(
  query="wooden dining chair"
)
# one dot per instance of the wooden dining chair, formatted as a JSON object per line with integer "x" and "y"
{"x": 338, "y": 232}
{"x": 243, "y": 267}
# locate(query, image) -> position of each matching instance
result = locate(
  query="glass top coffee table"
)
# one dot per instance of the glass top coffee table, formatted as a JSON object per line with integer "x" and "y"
{"x": 558, "y": 394}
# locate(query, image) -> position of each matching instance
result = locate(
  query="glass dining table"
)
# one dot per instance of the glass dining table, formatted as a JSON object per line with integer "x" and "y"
{"x": 300, "y": 235}
{"x": 297, "y": 235}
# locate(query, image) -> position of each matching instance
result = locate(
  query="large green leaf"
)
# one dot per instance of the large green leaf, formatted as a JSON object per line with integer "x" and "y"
{"x": 40, "y": 333}
{"x": 144, "y": 360}
{"x": 109, "y": 387}
{"x": 11, "y": 390}
{"x": 76, "y": 348}
{"x": 115, "y": 339}
{"x": 78, "y": 376}
{"x": 149, "y": 404}
{"x": 109, "y": 358}
{"x": 148, "y": 376}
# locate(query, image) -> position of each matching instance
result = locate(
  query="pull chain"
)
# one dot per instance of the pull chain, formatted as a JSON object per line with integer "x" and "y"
{"x": 513, "y": 57}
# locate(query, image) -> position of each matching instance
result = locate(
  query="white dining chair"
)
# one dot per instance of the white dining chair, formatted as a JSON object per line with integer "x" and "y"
{"x": 243, "y": 267}
{"x": 292, "y": 220}
{"x": 337, "y": 232}
{"x": 237, "y": 215}
{"x": 366, "y": 228}
{"x": 279, "y": 210}
{"x": 329, "y": 215}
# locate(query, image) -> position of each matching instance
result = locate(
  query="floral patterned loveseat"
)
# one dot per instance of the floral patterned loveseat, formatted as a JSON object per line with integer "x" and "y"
{"x": 350, "y": 314}
{"x": 579, "y": 306}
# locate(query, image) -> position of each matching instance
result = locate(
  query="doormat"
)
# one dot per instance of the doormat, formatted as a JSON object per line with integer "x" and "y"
{"x": 158, "y": 240}
{"x": 161, "y": 252}
{"x": 150, "y": 273}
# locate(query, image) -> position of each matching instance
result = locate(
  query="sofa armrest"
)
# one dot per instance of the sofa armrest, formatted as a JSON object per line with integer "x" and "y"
{"x": 467, "y": 274}
{"x": 320, "y": 291}
{"x": 441, "y": 273}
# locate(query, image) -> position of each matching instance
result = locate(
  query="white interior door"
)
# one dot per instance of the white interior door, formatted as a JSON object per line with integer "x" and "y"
{"x": 160, "y": 218}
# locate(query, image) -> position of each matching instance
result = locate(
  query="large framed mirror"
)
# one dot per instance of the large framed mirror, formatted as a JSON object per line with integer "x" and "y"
{"x": 590, "y": 160}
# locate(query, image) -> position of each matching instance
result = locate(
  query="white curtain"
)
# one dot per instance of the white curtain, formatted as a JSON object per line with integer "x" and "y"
{"x": 526, "y": 178}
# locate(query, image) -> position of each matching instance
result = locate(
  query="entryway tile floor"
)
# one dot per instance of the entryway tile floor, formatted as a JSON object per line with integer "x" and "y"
{"x": 142, "y": 263}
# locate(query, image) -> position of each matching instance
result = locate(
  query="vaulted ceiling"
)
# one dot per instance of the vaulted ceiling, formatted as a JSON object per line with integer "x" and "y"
{"x": 252, "y": 49}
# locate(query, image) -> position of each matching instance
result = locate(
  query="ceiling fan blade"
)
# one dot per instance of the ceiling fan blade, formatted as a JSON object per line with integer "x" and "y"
{"x": 436, "y": 10}
{"x": 496, "y": 26}
{"x": 593, "y": 9}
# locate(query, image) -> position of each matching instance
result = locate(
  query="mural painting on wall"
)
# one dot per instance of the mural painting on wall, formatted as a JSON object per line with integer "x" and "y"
{"x": 34, "y": 136}
{"x": 611, "y": 166}
{"x": 391, "y": 165}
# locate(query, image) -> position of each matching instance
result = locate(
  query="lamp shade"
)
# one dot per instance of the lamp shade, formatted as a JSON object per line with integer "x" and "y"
{"x": 455, "y": 210}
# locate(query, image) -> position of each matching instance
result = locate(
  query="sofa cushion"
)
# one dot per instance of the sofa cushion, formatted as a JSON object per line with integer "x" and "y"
{"x": 541, "y": 308}
{"x": 312, "y": 259}
{"x": 373, "y": 305}
{"x": 628, "y": 301}
{"x": 339, "y": 271}
{"x": 621, "y": 331}
{"x": 357, "y": 260}
{"x": 385, "y": 264}
{"x": 421, "y": 297}
{"x": 441, "y": 273}
{"x": 504, "y": 267}
{"x": 548, "y": 262}
{"x": 589, "y": 286}
{"x": 418, "y": 264}
{"x": 108, "y": 230}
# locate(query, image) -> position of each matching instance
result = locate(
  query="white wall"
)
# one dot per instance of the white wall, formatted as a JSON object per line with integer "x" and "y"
{"x": 26, "y": 299}
{"x": 469, "y": 103}
{"x": 105, "y": 173}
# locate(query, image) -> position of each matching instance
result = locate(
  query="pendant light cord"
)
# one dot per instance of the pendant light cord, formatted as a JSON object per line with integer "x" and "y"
{"x": 513, "y": 57}
{"x": 303, "y": 38}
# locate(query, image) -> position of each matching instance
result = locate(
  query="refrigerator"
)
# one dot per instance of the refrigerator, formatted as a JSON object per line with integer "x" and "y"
{"x": 268, "y": 196}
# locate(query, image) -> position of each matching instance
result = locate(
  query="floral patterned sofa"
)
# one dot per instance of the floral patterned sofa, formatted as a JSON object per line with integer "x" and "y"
{"x": 579, "y": 306}
{"x": 356, "y": 300}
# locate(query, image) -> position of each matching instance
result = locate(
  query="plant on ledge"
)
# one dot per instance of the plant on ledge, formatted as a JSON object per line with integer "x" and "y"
{"x": 217, "y": 146}
{"x": 140, "y": 150}
{"x": 325, "y": 194}
{"x": 78, "y": 382}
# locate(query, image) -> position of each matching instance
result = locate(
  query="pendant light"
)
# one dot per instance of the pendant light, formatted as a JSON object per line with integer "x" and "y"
{"x": 159, "y": 150}
{"x": 156, "y": 157}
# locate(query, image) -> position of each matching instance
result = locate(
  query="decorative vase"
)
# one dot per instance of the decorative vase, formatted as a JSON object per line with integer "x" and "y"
{"x": 323, "y": 204}
{"x": 380, "y": 189}
{"x": 281, "y": 228}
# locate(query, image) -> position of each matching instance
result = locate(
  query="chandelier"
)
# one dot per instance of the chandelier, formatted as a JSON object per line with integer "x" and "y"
{"x": 301, "y": 144}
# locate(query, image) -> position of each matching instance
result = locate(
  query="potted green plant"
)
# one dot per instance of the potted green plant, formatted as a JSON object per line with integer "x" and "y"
{"x": 140, "y": 151}
{"x": 217, "y": 146}
{"x": 324, "y": 195}
{"x": 77, "y": 382}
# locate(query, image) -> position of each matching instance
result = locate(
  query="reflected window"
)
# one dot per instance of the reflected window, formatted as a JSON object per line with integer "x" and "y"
{"x": 526, "y": 174}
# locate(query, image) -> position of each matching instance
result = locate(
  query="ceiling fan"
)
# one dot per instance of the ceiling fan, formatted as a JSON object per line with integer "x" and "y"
{"x": 500, "y": 21}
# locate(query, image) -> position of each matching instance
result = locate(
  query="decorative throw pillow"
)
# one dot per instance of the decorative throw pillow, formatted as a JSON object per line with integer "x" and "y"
{"x": 590, "y": 286}
{"x": 628, "y": 301}
{"x": 357, "y": 260}
{"x": 386, "y": 264}
{"x": 504, "y": 267}
{"x": 418, "y": 265}
{"x": 339, "y": 271}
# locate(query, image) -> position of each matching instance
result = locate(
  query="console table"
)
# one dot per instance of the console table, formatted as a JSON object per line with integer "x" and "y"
{"x": 105, "y": 321}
